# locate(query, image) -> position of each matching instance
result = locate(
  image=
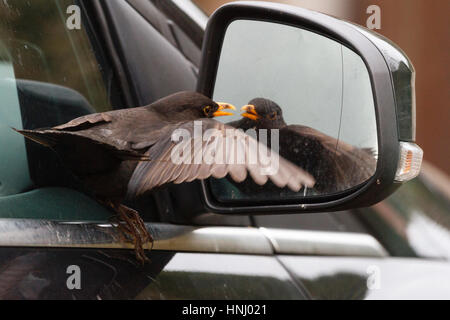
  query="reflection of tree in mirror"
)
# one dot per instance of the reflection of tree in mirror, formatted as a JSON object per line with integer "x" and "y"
{"x": 334, "y": 164}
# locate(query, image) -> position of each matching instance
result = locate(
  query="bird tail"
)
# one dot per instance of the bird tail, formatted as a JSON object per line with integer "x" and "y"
{"x": 49, "y": 138}
{"x": 38, "y": 137}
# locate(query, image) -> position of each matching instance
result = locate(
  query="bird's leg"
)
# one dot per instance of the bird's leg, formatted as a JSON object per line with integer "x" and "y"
{"x": 131, "y": 229}
{"x": 139, "y": 233}
{"x": 124, "y": 232}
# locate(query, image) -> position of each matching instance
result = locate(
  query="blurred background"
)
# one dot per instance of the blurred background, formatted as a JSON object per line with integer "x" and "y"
{"x": 422, "y": 29}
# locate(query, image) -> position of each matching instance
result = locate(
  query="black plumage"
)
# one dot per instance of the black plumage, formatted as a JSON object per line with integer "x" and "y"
{"x": 334, "y": 164}
{"x": 125, "y": 153}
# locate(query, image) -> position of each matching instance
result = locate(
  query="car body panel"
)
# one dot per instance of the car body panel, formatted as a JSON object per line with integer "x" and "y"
{"x": 44, "y": 273}
{"x": 368, "y": 278}
{"x": 213, "y": 239}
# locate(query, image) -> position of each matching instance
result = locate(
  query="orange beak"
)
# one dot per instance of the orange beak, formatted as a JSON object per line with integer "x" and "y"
{"x": 223, "y": 106}
{"x": 250, "y": 112}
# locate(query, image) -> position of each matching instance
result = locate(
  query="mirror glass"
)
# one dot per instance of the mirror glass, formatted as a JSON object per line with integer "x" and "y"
{"x": 314, "y": 90}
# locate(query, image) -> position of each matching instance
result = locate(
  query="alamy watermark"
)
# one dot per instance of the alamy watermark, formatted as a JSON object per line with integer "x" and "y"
{"x": 229, "y": 146}
{"x": 73, "y": 22}
{"x": 374, "y": 20}
{"x": 74, "y": 280}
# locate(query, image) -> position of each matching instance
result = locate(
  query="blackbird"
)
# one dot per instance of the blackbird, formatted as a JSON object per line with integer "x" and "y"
{"x": 335, "y": 165}
{"x": 124, "y": 153}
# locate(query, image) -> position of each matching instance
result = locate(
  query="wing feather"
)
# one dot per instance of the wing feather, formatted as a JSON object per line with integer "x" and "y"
{"x": 84, "y": 121}
{"x": 162, "y": 168}
{"x": 351, "y": 165}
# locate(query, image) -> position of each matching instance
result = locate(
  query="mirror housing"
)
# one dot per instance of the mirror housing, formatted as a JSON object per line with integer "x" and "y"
{"x": 392, "y": 81}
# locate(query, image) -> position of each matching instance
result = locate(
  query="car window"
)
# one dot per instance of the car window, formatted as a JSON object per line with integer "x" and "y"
{"x": 42, "y": 47}
{"x": 49, "y": 75}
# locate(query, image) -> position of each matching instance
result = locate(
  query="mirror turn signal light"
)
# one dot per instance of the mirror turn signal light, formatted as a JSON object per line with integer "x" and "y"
{"x": 409, "y": 162}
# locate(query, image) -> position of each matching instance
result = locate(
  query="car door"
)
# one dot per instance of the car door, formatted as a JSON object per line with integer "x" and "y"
{"x": 55, "y": 241}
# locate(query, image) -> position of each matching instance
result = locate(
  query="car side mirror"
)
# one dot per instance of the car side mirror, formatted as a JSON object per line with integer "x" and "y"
{"x": 340, "y": 96}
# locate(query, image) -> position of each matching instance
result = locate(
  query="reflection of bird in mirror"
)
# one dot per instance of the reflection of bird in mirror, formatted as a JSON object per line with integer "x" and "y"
{"x": 334, "y": 164}
{"x": 127, "y": 152}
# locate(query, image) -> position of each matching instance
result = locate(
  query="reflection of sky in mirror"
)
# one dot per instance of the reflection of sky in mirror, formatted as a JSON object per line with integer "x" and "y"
{"x": 301, "y": 71}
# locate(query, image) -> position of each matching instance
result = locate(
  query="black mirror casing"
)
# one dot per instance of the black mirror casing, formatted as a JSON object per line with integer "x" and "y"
{"x": 382, "y": 183}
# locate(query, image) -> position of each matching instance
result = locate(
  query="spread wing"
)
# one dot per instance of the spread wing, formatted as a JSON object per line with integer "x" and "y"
{"x": 213, "y": 149}
{"x": 350, "y": 165}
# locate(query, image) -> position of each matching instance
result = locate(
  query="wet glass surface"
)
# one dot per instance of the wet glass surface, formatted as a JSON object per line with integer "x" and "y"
{"x": 49, "y": 75}
{"x": 403, "y": 80}
{"x": 310, "y": 90}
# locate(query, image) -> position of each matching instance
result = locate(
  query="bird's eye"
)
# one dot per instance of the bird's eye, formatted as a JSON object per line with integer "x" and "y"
{"x": 206, "y": 110}
{"x": 272, "y": 116}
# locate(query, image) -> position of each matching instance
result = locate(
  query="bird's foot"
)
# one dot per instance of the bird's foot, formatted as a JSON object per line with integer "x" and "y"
{"x": 132, "y": 229}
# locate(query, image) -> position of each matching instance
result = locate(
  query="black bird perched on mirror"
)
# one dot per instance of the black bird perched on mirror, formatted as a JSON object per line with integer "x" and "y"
{"x": 125, "y": 153}
{"x": 335, "y": 165}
